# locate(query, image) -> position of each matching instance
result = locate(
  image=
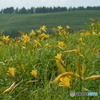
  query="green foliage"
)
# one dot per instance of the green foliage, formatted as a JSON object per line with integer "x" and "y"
{"x": 27, "y": 22}
{"x": 37, "y": 51}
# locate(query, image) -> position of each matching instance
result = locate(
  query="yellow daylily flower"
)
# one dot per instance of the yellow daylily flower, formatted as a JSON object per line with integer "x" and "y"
{"x": 87, "y": 34}
{"x": 34, "y": 73}
{"x": 26, "y": 38}
{"x": 65, "y": 81}
{"x": 67, "y": 27}
{"x": 32, "y": 33}
{"x": 60, "y": 27}
{"x": 64, "y": 74}
{"x": 38, "y": 31}
{"x": 1, "y": 43}
{"x": 92, "y": 24}
{"x": 81, "y": 39}
{"x": 58, "y": 56}
{"x": 41, "y": 35}
{"x": 5, "y": 38}
{"x": 60, "y": 43}
{"x": 43, "y": 27}
{"x": 94, "y": 33}
{"x": 82, "y": 34}
{"x": 12, "y": 71}
{"x": 47, "y": 36}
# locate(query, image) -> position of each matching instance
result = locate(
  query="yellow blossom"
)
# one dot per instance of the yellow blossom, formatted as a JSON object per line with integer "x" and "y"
{"x": 92, "y": 24}
{"x": 47, "y": 36}
{"x": 82, "y": 34}
{"x": 26, "y": 38}
{"x": 38, "y": 31}
{"x": 65, "y": 74}
{"x": 58, "y": 56}
{"x": 1, "y": 43}
{"x": 60, "y": 43}
{"x": 43, "y": 28}
{"x": 37, "y": 43}
{"x": 67, "y": 27}
{"x": 5, "y": 38}
{"x": 94, "y": 33}
{"x": 34, "y": 73}
{"x": 65, "y": 81}
{"x": 12, "y": 71}
{"x": 81, "y": 39}
{"x": 87, "y": 34}
{"x": 42, "y": 35}
{"x": 60, "y": 27}
{"x": 32, "y": 33}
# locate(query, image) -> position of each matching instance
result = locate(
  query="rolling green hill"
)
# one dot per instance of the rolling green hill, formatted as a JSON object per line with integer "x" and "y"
{"x": 26, "y": 22}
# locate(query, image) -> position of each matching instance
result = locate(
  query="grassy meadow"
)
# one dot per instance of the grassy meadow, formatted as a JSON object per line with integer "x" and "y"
{"x": 27, "y": 22}
{"x": 41, "y": 66}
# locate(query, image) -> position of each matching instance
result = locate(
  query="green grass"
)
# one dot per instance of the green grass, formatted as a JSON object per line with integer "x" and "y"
{"x": 26, "y": 22}
{"x": 26, "y": 57}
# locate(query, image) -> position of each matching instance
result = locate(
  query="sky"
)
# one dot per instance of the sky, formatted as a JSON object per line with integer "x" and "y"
{"x": 47, "y": 3}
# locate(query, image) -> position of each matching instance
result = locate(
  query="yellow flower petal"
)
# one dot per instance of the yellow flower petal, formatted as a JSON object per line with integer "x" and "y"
{"x": 34, "y": 73}
{"x": 60, "y": 27}
{"x": 60, "y": 43}
{"x": 58, "y": 56}
{"x": 67, "y": 27}
{"x": 65, "y": 81}
{"x": 43, "y": 28}
{"x": 81, "y": 39}
{"x": 32, "y": 33}
{"x": 12, "y": 71}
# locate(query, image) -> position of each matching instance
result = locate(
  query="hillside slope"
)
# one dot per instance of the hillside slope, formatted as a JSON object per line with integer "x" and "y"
{"x": 26, "y": 22}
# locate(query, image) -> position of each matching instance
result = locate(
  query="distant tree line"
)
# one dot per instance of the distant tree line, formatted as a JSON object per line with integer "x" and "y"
{"x": 32, "y": 10}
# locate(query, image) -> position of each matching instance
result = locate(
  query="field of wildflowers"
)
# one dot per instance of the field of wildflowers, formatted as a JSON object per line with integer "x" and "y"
{"x": 42, "y": 66}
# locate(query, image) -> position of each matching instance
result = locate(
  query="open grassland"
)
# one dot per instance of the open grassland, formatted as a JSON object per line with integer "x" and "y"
{"x": 30, "y": 65}
{"x": 26, "y": 22}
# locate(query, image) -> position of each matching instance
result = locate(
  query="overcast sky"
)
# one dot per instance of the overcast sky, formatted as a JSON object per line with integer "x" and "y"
{"x": 47, "y": 3}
